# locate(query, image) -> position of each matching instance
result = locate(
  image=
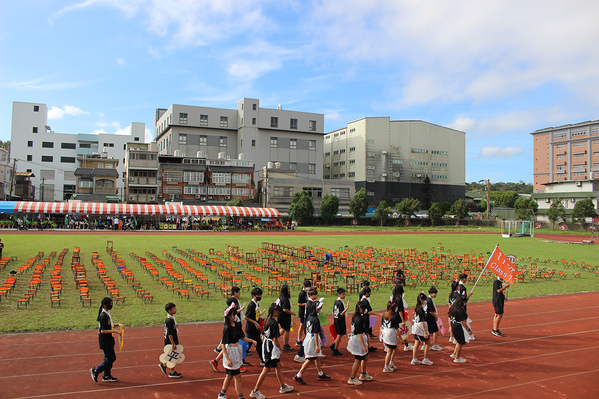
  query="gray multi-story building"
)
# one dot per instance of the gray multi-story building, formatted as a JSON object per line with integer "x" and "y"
{"x": 391, "y": 159}
{"x": 292, "y": 138}
{"x": 52, "y": 157}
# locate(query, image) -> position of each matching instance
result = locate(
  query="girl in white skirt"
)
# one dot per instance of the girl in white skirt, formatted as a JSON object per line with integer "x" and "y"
{"x": 390, "y": 335}
{"x": 357, "y": 345}
{"x": 312, "y": 344}
{"x": 232, "y": 351}
{"x": 420, "y": 331}
{"x": 460, "y": 328}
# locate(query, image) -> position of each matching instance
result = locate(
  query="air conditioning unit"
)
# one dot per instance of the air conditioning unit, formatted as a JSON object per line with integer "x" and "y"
{"x": 132, "y": 179}
{"x": 384, "y": 174}
{"x": 131, "y": 198}
{"x": 198, "y": 196}
{"x": 578, "y": 184}
{"x": 151, "y": 199}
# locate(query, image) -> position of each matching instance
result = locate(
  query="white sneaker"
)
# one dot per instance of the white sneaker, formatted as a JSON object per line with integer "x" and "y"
{"x": 257, "y": 395}
{"x": 392, "y": 367}
{"x": 408, "y": 348}
{"x": 299, "y": 359}
{"x": 365, "y": 377}
{"x": 422, "y": 347}
{"x": 436, "y": 348}
{"x": 416, "y": 362}
{"x": 387, "y": 369}
{"x": 459, "y": 360}
{"x": 427, "y": 362}
{"x": 286, "y": 388}
{"x": 354, "y": 381}
{"x": 452, "y": 340}
{"x": 472, "y": 337}
{"x": 453, "y": 356}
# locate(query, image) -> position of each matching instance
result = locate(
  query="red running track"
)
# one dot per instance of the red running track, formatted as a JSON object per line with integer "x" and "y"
{"x": 550, "y": 350}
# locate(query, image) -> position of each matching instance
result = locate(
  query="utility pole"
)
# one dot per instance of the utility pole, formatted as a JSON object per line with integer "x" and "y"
{"x": 12, "y": 178}
{"x": 488, "y": 202}
{"x": 42, "y": 189}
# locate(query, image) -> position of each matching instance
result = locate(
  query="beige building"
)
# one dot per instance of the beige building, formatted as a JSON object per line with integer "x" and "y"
{"x": 392, "y": 158}
{"x": 141, "y": 173}
{"x": 565, "y": 153}
{"x": 97, "y": 179}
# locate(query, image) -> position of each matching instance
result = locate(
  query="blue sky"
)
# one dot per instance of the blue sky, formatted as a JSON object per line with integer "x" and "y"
{"x": 496, "y": 70}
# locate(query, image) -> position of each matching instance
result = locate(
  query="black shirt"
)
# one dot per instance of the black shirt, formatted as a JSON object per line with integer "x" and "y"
{"x": 419, "y": 315}
{"x": 462, "y": 292}
{"x": 250, "y": 313}
{"x": 271, "y": 329}
{"x": 302, "y": 298}
{"x": 313, "y": 325}
{"x": 498, "y": 297}
{"x": 357, "y": 325}
{"x": 393, "y": 322}
{"x": 232, "y": 334}
{"x": 338, "y": 308}
{"x": 285, "y": 304}
{"x": 106, "y": 340}
{"x": 170, "y": 329}
{"x": 460, "y": 316}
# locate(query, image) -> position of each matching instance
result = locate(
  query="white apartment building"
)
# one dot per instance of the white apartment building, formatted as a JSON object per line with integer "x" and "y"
{"x": 570, "y": 192}
{"x": 6, "y": 174}
{"x": 291, "y": 138}
{"x": 52, "y": 157}
{"x": 392, "y": 158}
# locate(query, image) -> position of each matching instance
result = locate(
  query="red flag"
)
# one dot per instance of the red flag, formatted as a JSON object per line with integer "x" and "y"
{"x": 500, "y": 265}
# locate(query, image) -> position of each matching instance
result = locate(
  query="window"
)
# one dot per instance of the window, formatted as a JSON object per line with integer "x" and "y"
{"x": 579, "y": 166}
{"x": 36, "y": 108}
{"x": 293, "y": 144}
{"x": 274, "y": 142}
{"x": 396, "y": 161}
{"x": 342, "y": 151}
{"x": 327, "y": 154}
{"x": 560, "y": 146}
{"x": 340, "y": 192}
{"x": 30, "y": 144}
{"x": 352, "y": 149}
{"x": 595, "y": 129}
{"x": 279, "y": 191}
{"x": 312, "y": 145}
{"x": 253, "y": 121}
{"x": 370, "y": 141}
{"x": 254, "y": 107}
{"x": 203, "y": 120}
{"x": 173, "y": 176}
{"x": 312, "y": 126}
{"x": 203, "y": 140}
{"x": 224, "y": 121}
{"x": 135, "y": 138}
{"x": 371, "y": 167}
{"x": 253, "y": 143}
{"x": 182, "y": 139}
{"x": 580, "y": 155}
{"x": 577, "y": 133}
{"x": 292, "y": 165}
{"x": 183, "y": 118}
{"x": 34, "y": 129}
{"x": 274, "y": 121}
{"x": 560, "y": 135}
{"x": 108, "y": 166}
{"x": 47, "y": 158}
{"x": 370, "y": 154}
{"x": 562, "y": 156}
{"x": 221, "y": 178}
{"x": 29, "y": 170}
{"x": 47, "y": 144}
{"x": 193, "y": 177}
{"x": 336, "y": 152}
{"x": 351, "y": 174}
{"x": 85, "y": 184}
{"x": 293, "y": 124}
{"x": 67, "y": 159}
{"x": 223, "y": 141}
{"x": 352, "y": 161}
{"x": 419, "y": 151}
{"x": 579, "y": 144}
{"x": 30, "y": 158}
{"x": 240, "y": 178}
{"x": 312, "y": 168}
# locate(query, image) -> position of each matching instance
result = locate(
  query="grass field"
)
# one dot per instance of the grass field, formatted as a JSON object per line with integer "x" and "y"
{"x": 39, "y": 316}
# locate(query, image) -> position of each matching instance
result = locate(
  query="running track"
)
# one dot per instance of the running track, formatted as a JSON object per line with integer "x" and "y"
{"x": 550, "y": 350}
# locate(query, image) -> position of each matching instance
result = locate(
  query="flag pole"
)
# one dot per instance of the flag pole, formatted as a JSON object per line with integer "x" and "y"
{"x": 484, "y": 268}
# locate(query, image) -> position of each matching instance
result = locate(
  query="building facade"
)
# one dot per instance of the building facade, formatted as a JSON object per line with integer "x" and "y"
{"x": 193, "y": 180}
{"x": 393, "y": 158}
{"x": 569, "y": 192}
{"x": 564, "y": 153}
{"x": 292, "y": 138}
{"x": 141, "y": 173}
{"x": 52, "y": 157}
{"x": 97, "y": 179}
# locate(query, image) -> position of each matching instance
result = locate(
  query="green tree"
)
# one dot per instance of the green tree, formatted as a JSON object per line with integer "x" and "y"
{"x": 5, "y": 145}
{"x": 556, "y": 211}
{"x": 382, "y": 212}
{"x": 358, "y": 205}
{"x": 408, "y": 207}
{"x": 459, "y": 209}
{"x": 235, "y": 202}
{"x": 525, "y": 208}
{"x": 506, "y": 198}
{"x": 582, "y": 210}
{"x": 435, "y": 213}
{"x": 426, "y": 193}
{"x": 302, "y": 208}
{"x": 329, "y": 208}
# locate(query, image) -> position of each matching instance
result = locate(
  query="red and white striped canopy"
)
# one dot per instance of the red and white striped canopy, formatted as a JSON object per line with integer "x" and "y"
{"x": 91, "y": 208}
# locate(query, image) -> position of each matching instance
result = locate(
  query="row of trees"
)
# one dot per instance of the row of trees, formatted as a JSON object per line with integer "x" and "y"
{"x": 582, "y": 210}
{"x": 520, "y": 187}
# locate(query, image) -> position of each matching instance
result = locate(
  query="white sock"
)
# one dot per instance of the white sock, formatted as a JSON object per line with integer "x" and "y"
{"x": 320, "y": 373}
{"x": 299, "y": 375}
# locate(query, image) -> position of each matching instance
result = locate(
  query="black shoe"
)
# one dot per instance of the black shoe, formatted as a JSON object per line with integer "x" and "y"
{"x": 337, "y": 353}
{"x": 372, "y": 349}
{"x": 174, "y": 374}
{"x": 94, "y": 374}
{"x": 298, "y": 343}
{"x": 299, "y": 380}
{"x": 109, "y": 379}
{"x": 496, "y": 333}
{"x": 287, "y": 348}
{"x": 323, "y": 377}
{"x": 332, "y": 347}
{"x": 217, "y": 349}
{"x": 162, "y": 368}
{"x": 246, "y": 363}
{"x": 371, "y": 335}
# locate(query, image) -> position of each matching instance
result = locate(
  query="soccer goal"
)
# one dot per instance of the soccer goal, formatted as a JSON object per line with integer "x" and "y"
{"x": 517, "y": 228}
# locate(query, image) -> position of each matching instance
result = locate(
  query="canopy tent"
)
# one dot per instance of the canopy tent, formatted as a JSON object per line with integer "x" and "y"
{"x": 91, "y": 208}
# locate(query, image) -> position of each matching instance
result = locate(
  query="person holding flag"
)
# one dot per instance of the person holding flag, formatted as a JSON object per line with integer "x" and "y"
{"x": 499, "y": 287}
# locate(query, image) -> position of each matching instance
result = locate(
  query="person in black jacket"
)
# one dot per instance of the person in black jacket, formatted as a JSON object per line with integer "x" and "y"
{"x": 106, "y": 333}
{"x": 499, "y": 287}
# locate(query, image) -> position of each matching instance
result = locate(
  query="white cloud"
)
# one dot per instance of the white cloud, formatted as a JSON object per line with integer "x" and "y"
{"x": 98, "y": 131}
{"x": 334, "y": 116}
{"x": 121, "y": 61}
{"x": 149, "y": 136}
{"x": 462, "y": 124}
{"x": 101, "y": 115}
{"x": 125, "y": 131}
{"x": 493, "y": 151}
{"x": 59, "y": 113}
{"x": 154, "y": 53}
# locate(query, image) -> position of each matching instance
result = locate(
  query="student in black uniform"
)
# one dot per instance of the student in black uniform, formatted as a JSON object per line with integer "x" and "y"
{"x": 461, "y": 331}
{"x": 390, "y": 335}
{"x": 253, "y": 316}
{"x": 312, "y": 295}
{"x": 431, "y": 318}
{"x": 461, "y": 290}
{"x": 499, "y": 286}
{"x": 452, "y": 297}
{"x": 301, "y": 304}
{"x": 171, "y": 337}
{"x": 106, "y": 333}
{"x": 397, "y": 297}
{"x": 365, "y": 299}
{"x": 232, "y": 351}
{"x": 234, "y": 298}
{"x": 312, "y": 345}
{"x": 271, "y": 352}
{"x": 339, "y": 311}
{"x": 357, "y": 345}
{"x": 285, "y": 316}
{"x": 420, "y": 331}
